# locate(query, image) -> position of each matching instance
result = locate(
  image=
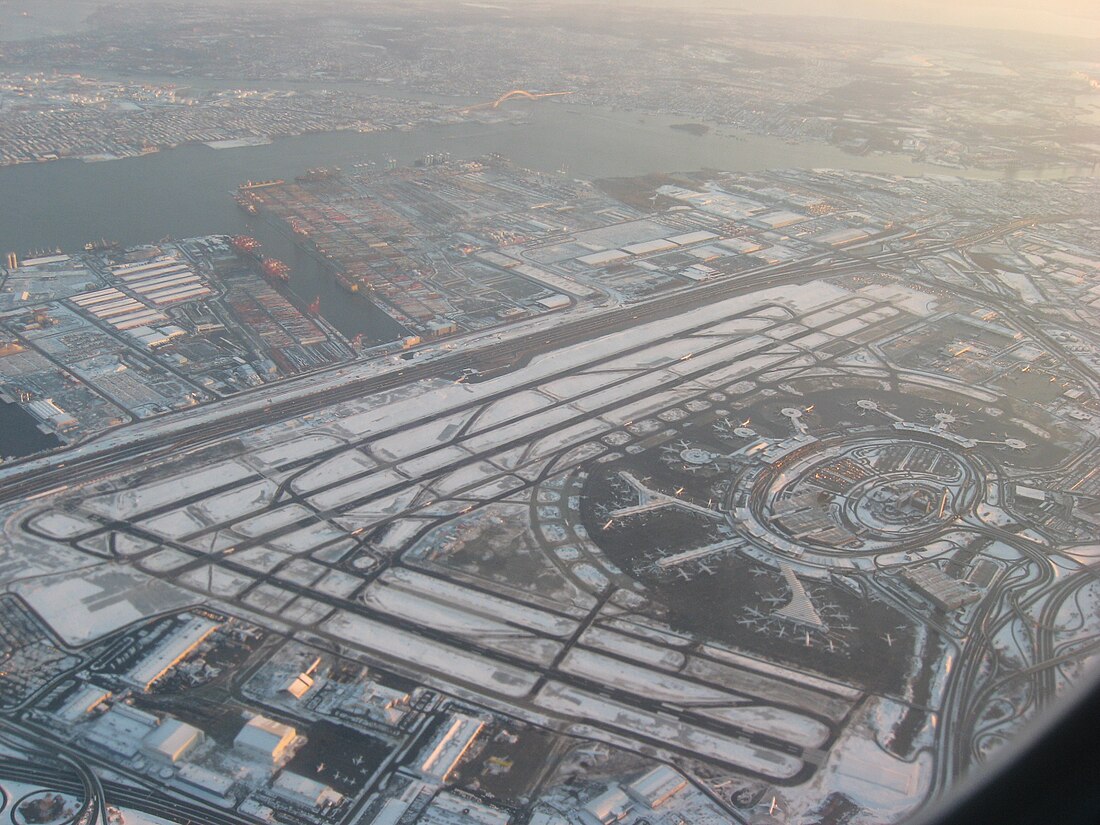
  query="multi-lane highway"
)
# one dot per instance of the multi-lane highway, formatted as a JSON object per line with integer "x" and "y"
{"x": 61, "y": 770}
{"x": 102, "y": 794}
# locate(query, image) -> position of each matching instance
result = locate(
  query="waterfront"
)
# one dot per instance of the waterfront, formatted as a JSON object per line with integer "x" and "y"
{"x": 19, "y": 433}
{"x": 186, "y": 191}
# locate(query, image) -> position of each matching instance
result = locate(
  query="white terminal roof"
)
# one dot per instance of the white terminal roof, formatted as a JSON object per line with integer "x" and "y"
{"x": 1031, "y": 493}
{"x": 715, "y": 202}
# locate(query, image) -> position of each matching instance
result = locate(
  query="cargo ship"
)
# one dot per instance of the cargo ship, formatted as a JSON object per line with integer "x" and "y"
{"x": 246, "y": 196}
{"x": 276, "y": 270}
{"x": 244, "y": 243}
{"x": 245, "y": 187}
{"x": 346, "y": 283}
{"x": 100, "y": 245}
{"x": 320, "y": 173}
{"x": 246, "y": 203}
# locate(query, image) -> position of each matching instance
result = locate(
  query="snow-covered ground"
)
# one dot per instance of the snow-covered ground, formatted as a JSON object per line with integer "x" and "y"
{"x": 85, "y": 607}
{"x": 615, "y": 715}
{"x": 422, "y": 653}
{"x": 860, "y": 768}
{"x": 506, "y": 609}
{"x": 407, "y": 457}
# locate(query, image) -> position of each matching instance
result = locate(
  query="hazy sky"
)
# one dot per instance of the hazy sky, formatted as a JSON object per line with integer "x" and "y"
{"x": 1075, "y": 18}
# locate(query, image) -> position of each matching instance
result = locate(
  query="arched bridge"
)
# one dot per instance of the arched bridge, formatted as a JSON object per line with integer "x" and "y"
{"x": 514, "y": 93}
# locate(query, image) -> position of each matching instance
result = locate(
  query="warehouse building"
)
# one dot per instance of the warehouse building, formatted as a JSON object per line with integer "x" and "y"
{"x": 657, "y": 787}
{"x": 264, "y": 740}
{"x": 302, "y": 790}
{"x": 452, "y": 809}
{"x": 81, "y": 703}
{"x": 121, "y": 730}
{"x": 609, "y": 807}
{"x": 204, "y": 783}
{"x": 450, "y": 745}
{"x": 171, "y": 741}
{"x": 941, "y": 590}
{"x": 170, "y": 651}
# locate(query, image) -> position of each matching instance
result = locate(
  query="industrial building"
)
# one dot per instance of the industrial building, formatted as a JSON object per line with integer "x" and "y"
{"x": 171, "y": 741}
{"x": 543, "y": 817}
{"x": 46, "y": 409}
{"x": 394, "y": 809}
{"x": 609, "y": 807}
{"x": 118, "y": 309}
{"x": 299, "y": 686}
{"x": 302, "y": 790}
{"x": 943, "y": 591}
{"x": 657, "y": 787}
{"x": 449, "y": 746}
{"x": 1030, "y": 495}
{"x": 264, "y": 740}
{"x": 451, "y": 809}
{"x": 554, "y": 301}
{"x": 203, "y": 782}
{"x": 842, "y": 236}
{"x": 170, "y": 651}
{"x": 153, "y": 338}
{"x": 121, "y": 730}
{"x": 385, "y": 704}
{"x": 81, "y": 703}
{"x": 165, "y": 280}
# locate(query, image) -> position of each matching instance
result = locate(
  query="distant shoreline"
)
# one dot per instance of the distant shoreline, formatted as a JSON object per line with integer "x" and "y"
{"x": 697, "y": 129}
